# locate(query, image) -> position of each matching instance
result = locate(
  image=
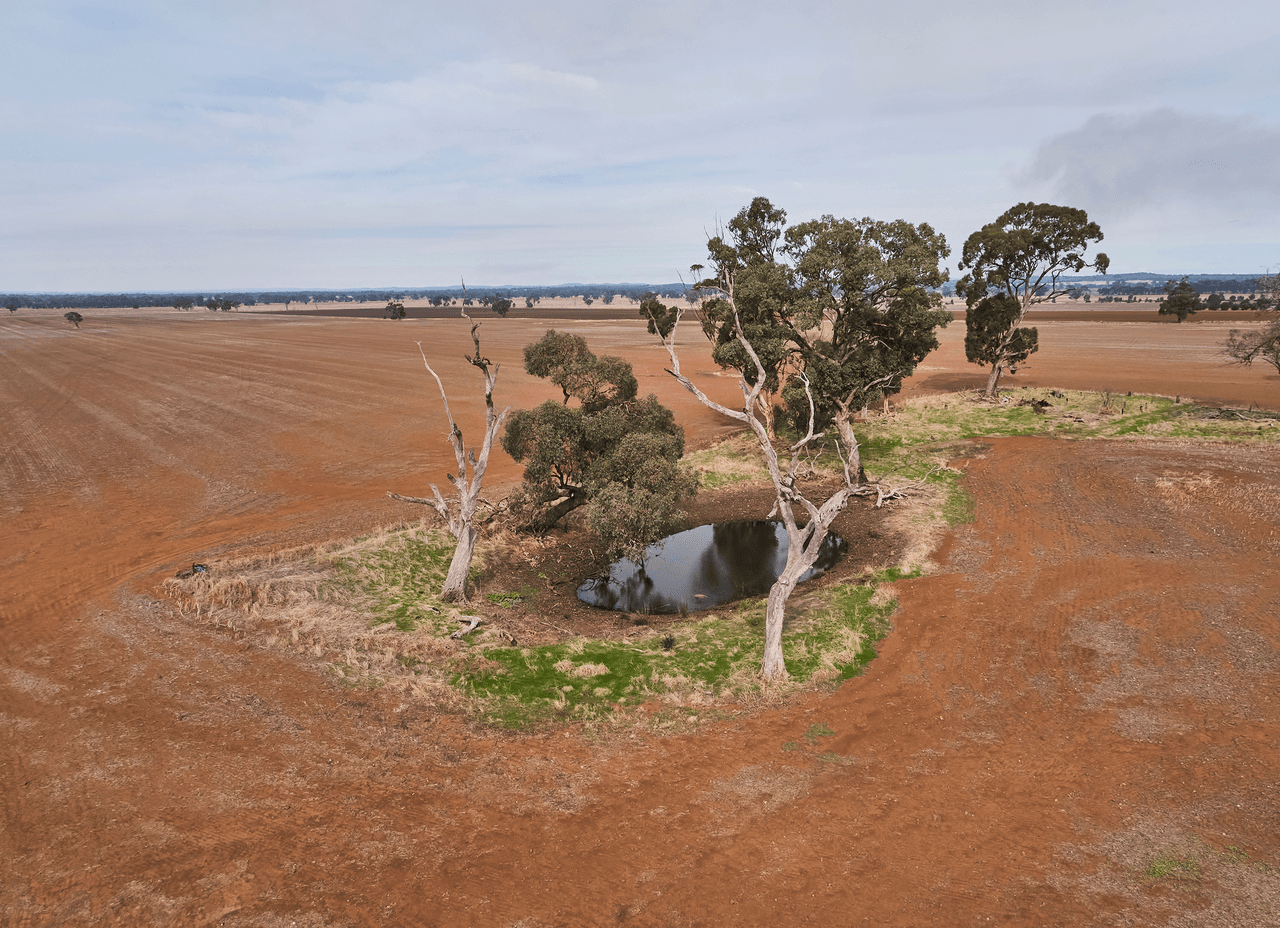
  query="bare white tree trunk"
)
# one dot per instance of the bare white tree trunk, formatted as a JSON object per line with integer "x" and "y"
{"x": 804, "y": 543}
{"x": 455, "y": 583}
{"x": 467, "y": 484}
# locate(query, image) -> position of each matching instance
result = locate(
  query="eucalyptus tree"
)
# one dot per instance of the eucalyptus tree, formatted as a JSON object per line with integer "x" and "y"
{"x": 1016, "y": 262}
{"x": 747, "y": 251}
{"x": 617, "y": 455}
{"x": 1180, "y": 300}
{"x": 851, "y": 306}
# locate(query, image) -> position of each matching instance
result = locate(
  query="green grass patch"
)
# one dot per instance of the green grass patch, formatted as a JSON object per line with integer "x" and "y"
{"x": 398, "y": 580}
{"x": 1169, "y": 866}
{"x": 512, "y": 598}
{"x": 713, "y": 658}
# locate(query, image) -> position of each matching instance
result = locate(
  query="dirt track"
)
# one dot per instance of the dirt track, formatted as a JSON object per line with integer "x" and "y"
{"x": 1089, "y": 681}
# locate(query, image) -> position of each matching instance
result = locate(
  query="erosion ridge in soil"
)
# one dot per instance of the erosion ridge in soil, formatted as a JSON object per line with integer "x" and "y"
{"x": 1088, "y": 681}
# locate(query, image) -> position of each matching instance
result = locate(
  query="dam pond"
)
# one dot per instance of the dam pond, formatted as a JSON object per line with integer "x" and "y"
{"x": 702, "y": 568}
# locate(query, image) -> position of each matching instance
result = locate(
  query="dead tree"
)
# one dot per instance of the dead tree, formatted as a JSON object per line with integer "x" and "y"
{"x": 460, "y": 511}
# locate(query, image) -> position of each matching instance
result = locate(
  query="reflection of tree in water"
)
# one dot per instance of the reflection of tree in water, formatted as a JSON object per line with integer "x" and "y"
{"x": 637, "y": 592}
{"x": 722, "y": 562}
{"x": 739, "y": 558}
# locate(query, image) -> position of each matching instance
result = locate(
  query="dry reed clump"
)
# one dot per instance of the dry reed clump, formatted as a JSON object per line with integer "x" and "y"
{"x": 288, "y": 599}
{"x": 921, "y": 524}
{"x": 846, "y": 650}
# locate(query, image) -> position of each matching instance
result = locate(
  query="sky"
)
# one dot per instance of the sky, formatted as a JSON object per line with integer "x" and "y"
{"x": 260, "y": 144}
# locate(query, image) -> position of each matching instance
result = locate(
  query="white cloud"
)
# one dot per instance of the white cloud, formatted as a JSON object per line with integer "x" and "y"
{"x": 559, "y": 79}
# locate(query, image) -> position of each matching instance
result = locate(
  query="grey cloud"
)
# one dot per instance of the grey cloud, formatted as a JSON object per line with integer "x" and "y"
{"x": 1163, "y": 160}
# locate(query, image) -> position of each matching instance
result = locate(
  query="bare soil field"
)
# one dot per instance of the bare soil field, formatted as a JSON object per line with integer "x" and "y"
{"x": 1075, "y": 720}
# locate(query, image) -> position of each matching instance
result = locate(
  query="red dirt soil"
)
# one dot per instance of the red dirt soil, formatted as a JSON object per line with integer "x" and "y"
{"x": 1089, "y": 682}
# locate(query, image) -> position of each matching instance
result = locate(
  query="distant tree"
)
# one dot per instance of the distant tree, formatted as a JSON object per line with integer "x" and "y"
{"x": 614, "y": 454}
{"x": 11, "y": 306}
{"x": 183, "y": 303}
{"x": 1213, "y": 302}
{"x": 502, "y": 307}
{"x": 588, "y": 300}
{"x": 395, "y": 310}
{"x": 1243, "y": 347}
{"x": 1020, "y": 256}
{"x": 460, "y": 511}
{"x": 1181, "y": 300}
{"x": 529, "y": 301}
{"x": 73, "y": 317}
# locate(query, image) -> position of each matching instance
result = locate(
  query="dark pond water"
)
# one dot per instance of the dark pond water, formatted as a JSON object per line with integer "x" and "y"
{"x": 703, "y": 567}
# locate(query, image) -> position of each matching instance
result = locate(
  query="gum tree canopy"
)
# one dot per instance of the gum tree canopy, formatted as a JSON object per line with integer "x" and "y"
{"x": 1014, "y": 263}
{"x": 1180, "y": 300}
{"x": 849, "y": 308}
{"x": 615, "y": 454}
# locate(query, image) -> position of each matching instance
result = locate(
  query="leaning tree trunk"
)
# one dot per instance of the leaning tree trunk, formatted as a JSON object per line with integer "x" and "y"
{"x": 774, "y": 667}
{"x": 993, "y": 379}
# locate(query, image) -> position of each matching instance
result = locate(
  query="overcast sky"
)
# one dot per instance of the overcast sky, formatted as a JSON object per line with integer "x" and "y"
{"x": 320, "y": 143}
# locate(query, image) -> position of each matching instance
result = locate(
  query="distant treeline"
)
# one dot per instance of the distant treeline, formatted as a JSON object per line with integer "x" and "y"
{"x": 233, "y": 299}
{"x": 1201, "y": 283}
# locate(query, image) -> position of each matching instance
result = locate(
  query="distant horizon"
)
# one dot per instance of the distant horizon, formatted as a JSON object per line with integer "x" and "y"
{"x": 485, "y": 289}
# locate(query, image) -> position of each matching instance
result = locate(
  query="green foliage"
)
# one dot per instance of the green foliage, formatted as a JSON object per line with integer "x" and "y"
{"x": 1181, "y": 300}
{"x": 817, "y": 730}
{"x": 395, "y": 310}
{"x": 992, "y": 334}
{"x": 852, "y": 304}
{"x": 1025, "y": 252}
{"x": 1021, "y": 256}
{"x": 566, "y": 361}
{"x": 613, "y": 453}
{"x": 875, "y": 285}
{"x": 73, "y": 317}
{"x": 391, "y": 581}
{"x": 662, "y": 319}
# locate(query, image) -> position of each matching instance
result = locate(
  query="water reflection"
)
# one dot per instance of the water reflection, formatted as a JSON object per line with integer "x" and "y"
{"x": 703, "y": 567}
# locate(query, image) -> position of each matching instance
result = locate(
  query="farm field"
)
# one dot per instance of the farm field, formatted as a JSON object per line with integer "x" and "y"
{"x": 1075, "y": 720}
